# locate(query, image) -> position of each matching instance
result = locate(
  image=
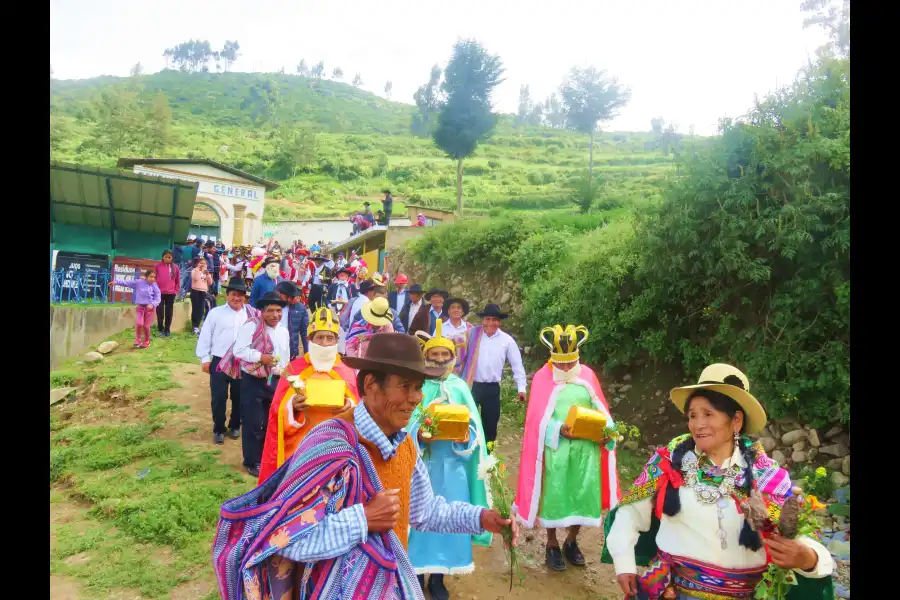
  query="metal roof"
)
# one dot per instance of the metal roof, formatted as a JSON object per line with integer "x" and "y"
{"x": 354, "y": 241}
{"x": 81, "y": 195}
{"x": 131, "y": 162}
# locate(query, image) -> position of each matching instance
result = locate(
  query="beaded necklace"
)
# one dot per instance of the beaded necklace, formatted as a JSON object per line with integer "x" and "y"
{"x": 712, "y": 485}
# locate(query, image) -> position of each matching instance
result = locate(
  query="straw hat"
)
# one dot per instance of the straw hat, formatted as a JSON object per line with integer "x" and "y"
{"x": 377, "y": 311}
{"x": 731, "y": 382}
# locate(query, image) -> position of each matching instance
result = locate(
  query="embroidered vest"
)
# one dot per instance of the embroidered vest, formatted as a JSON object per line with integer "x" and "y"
{"x": 395, "y": 474}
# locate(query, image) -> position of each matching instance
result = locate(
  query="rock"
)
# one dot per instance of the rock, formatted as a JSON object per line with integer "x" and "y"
{"x": 813, "y": 438}
{"x": 838, "y": 450}
{"x": 845, "y": 466}
{"x": 661, "y": 410}
{"x": 630, "y": 445}
{"x": 842, "y": 438}
{"x": 840, "y": 550}
{"x": 841, "y": 495}
{"x": 778, "y": 456}
{"x": 792, "y": 437}
{"x": 768, "y": 444}
{"x": 834, "y": 463}
{"x": 841, "y": 591}
{"x": 626, "y": 378}
{"x": 765, "y": 432}
{"x": 836, "y": 430}
{"x": 798, "y": 456}
{"x": 59, "y": 394}
{"x": 839, "y": 479}
{"x": 658, "y": 393}
{"x": 812, "y": 453}
{"x": 92, "y": 357}
{"x": 801, "y": 445}
{"x": 625, "y": 388}
{"x": 107, "y": 347}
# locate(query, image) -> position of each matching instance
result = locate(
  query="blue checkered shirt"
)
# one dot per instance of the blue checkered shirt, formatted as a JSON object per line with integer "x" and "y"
{"x": 338, "y": 533}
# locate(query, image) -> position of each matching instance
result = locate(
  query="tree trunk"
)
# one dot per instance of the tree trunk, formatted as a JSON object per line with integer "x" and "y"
{"x": 591, "y": 160}
{"x": 459, "y": 187}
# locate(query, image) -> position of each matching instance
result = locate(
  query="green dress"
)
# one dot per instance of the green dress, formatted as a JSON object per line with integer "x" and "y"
{"x": 570, "y": 488}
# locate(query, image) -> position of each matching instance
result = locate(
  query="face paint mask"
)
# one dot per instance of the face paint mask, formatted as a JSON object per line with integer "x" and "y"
{"x": 272, "y": 270}
{"x": 447, "y": 365}
{"x": 322, "y": 357}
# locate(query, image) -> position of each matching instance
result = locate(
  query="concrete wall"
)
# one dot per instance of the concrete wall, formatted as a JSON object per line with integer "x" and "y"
{"x": 327, "y": 230}
{"x": 75, "y": 330}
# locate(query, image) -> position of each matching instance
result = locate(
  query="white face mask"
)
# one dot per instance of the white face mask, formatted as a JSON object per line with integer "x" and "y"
{"x": 322, "y": 357}
{"x": 560, "y": 376}
{"x": 272, "y": 270}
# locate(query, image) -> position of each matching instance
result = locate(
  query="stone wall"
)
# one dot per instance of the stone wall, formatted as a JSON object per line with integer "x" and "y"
{"x": 795, "y": 446}
{"x": 74, "y": 329}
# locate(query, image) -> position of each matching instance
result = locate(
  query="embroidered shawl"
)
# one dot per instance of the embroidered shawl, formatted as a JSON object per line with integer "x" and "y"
{"x": 466, "y": 370}
{"x": 230, "y": 364}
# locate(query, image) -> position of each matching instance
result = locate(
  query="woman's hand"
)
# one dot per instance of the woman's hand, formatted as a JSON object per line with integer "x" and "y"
{"x": 791, "y": 554}
{"x": 628, "y": 583}
{"x": 298, "y": 401}
{"x": 566, "y": 432}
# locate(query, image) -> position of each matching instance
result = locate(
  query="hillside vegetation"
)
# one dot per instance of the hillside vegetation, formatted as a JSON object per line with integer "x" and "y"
{"x": 330, "y": 144}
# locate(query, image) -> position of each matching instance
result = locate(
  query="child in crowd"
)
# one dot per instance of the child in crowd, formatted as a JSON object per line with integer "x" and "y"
{"x": 147, "y": 297}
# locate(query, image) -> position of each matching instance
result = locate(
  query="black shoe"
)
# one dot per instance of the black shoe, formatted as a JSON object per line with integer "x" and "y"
{"x": 573, "y": 554}
{"x": 437, "y": 589}
{"x": 235, "y": 434}
{"x": 253, "y": 471}
{"x": 218, "y": 438}
{"x": 555, "y": 559}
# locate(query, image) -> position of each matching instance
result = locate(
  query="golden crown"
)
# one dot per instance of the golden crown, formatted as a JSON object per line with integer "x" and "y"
{"x": 565, "y": 343}
{"x": 437, "y": 340}
{"x": 323, "y": 320}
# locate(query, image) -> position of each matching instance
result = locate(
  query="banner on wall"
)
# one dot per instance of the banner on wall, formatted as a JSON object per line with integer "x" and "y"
{"x": 128, "y": 269}
{"x": 83, "y": 268}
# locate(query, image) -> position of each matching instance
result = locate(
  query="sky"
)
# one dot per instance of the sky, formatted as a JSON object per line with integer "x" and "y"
{"x": 688, "y": 61}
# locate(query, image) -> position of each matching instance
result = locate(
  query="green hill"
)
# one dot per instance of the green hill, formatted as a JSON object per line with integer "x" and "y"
{"x": 362, "y": 144}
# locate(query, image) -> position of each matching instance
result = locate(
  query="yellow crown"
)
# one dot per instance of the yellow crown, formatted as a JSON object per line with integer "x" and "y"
{"x": 323, "y": 320}
{"x": 565, "y": 342}
{"x": 437, "y": 340}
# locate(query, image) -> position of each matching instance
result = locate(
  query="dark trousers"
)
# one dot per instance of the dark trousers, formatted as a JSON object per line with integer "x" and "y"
{"x": 219, "y": 384}
{"x": 316, "y": 297}
{"x": 256, "y": 398}
{"x": 387, "y": 219}
{"x": 198, "y": 307}
{"x": 487, "y": 398}
{"x": 164, "y": 312}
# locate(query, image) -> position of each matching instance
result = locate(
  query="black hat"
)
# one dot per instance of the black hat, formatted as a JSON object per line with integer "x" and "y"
{"x": 237, "y": 284}
{"x": 366, "y": 285}
{"x": 270, "y": 298}
{"x": 367, "y": 203}
{"x": 437, "y": 291}
{"x": 394, "y": 353}
{"x": 270, "y": 260}
{"x": 492, "y": 310}
{"x": 210, "y": 244}
{"x": 414, "y": 289}
{"x": 461, "y": 301}
{"x": 346, "y": 270}
{"x": 319, "y": 256}
{"x": 288, "y": 288}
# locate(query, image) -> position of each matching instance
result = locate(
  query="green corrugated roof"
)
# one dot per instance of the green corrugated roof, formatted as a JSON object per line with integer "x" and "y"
{"x": 121, "y": 201}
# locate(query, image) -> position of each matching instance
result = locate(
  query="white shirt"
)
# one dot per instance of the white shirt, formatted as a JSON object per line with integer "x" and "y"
{"x": 693, "y": 533}
{"x": 317, "y": 276}
{"x": 401, "y": 299}
{"x": 280, "y": 340}
{"x": 493, "y": 352}
{"x": 413, "y": 309}
{"x": 448, "y": 330}
{"x": 219, "y": 332}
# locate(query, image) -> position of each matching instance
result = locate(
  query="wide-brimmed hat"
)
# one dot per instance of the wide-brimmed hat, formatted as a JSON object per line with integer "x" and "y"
{"x": 365, "y": 286}
{"x": 269, "y": 298}
{"x": 288, "y": 288}
{"x": 377, "y": 311}
{"x": 731, "y": 382}
{"x": 394, "y": 353}
{"x": 415, "y": 289}
{"x": 270, "y": 260}
{"x": 461, "y": 301}
{"x": 319, "y": 256}
{"x": 493, "y": 310}
{"x": 237, "y": 284}
{"x": 445, "y": 294}
{"x": 401, "y": 278}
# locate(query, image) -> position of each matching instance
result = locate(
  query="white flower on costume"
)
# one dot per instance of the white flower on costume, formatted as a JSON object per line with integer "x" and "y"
{"x": 486, "y": 467}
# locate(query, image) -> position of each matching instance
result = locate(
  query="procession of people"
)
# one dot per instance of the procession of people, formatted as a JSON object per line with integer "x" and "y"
{"x": 367, "y": 417}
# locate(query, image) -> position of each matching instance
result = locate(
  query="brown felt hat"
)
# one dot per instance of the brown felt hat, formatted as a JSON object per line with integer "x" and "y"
{"x": 394, "y": 353}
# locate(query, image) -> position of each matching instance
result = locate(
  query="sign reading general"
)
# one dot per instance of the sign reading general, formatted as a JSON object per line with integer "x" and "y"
{"x": 236, "y": 191}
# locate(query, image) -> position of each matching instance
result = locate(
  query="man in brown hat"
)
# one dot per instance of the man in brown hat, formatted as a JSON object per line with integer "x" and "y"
{"x": 377, "y": 504}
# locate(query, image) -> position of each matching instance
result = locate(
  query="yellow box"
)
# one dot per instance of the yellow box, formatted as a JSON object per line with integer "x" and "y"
{"x": 586, "y": 424}
{"x": 325, "y": 393}
{"x": 453, "y": 421}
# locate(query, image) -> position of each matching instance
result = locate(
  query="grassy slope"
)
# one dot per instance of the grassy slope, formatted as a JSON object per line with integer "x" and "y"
{"x": 364, "y": 146}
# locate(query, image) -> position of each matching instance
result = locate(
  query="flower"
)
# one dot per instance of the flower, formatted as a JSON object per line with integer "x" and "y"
{"x": 490, "y": 446}
{"x": 426, "y": 435}
{"x": 814, "y": 503}
{"x": 428, "y": 421}
{"x": 821, "y": 472}
{"x": 486, "y": 467}
{"x": 295, "y": 380}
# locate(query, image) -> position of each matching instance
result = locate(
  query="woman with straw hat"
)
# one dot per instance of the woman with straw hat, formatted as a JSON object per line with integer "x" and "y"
{"x": 696, "y": 511}
{"x": 377, "y": 317}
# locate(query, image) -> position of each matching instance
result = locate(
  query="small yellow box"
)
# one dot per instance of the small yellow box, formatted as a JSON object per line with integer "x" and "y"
{"x": 586, "y": 424}
{"x": 453, "y": 421}
{"x": 325, "y": 393}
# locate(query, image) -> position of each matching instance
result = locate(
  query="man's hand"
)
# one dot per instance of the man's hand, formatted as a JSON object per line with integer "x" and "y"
{"x": 347, "y": 406}
{"x": 628, "y": 583}
{"x": 205, "y": 367}
{"x": 522, "y": 397}
{"x": 298, "y": 401}
{"x": 382, "y": 511}
{"x": 267, "y": 359}
{"x": 566, "y": 432}
{"x": 493, "y": 522}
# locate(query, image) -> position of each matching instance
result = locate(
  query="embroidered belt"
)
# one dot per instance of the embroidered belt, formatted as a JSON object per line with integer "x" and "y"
{"x": 699, "y": 579}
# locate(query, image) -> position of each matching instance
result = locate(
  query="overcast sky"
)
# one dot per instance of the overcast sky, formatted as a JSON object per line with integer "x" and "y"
{"x": 690, "y": 61}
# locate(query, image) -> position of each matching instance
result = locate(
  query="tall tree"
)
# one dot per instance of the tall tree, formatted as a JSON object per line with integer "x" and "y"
{"x": 526, "y": 106}
{"x": 293, "y": 149}
{"x": 428, "y": 100}
{"x": 191, "y": 56}
{"x": 553, "y": 112}
{"x": 230, "y": 53}
{"x": 337, "y": 74}
{"x": 118, "y": 122}
{"x": 159, "y": 125}
{"x": 302, "y": 69}
{"x": 137, "y": 70}
{"x": 388, "y": 88}
{"x": 465, "y": 118}
{"x": 264, "y": 102}
{"x": 834, "y": 17}
{"x": 318, "y": 71}
{"x": 657, "y": 124}
{"x": 590, "y": 96}
{"x": 357, "y": 80}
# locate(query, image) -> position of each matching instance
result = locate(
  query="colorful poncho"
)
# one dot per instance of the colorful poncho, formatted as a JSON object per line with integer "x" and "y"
{"x": 326, "y": 474}
{"x": 770, "y": 479}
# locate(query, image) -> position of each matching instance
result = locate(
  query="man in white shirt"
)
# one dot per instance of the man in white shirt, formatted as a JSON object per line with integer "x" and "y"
{"x": 409, "y": 312}
{"x": 217, "y": 335}
{"x": 263, "y": 348}
{"x": 487, "y": 351}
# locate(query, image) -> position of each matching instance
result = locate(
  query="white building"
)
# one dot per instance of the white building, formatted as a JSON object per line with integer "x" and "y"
{"x": 237, "y": 198}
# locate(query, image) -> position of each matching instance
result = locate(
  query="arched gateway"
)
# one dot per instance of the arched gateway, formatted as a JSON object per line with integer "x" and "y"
{"x": 235, "y": 197}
